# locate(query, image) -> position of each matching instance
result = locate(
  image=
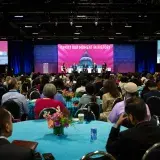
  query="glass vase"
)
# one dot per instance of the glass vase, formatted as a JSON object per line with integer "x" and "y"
{"x": 58, "y": 130}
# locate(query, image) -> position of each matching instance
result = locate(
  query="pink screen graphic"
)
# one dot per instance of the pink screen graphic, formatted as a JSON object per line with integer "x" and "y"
{"x": 73, "y": 53}
{"x": 3, "y": 52}
{"x": 3, "y": 46}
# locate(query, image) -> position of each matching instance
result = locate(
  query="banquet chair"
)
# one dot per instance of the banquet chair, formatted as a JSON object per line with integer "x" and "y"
{"x": 88, "y": 114}
{"x": 51, "y": 110}
{"x": 13, "y": 108}
{"x": 153, "y": 153}
{"x": 95, "y": 108}
{"x": 98, "y": 155}
{"x": 153, "y": 104}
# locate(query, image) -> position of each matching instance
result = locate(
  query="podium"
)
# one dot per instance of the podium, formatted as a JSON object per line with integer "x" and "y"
{"x": 45, "y": 68}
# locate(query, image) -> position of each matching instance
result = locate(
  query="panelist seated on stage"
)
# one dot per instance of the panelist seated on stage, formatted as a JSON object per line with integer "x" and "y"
{"x": 74, "y": 67}
{"x": 64, "y": 68}
{"x": 85, "y": 68}
{"x": 94, "y": 69}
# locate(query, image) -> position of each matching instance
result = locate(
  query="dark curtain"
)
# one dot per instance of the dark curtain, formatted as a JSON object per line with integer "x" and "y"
{"x": 146, "y": 57}
{"x": 21, "y": 57}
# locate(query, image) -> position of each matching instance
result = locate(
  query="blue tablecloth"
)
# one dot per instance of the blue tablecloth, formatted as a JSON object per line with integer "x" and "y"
{"x": 72, "y": 146}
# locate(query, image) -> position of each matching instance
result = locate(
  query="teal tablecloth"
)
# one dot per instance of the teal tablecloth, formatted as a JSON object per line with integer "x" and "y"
{"x": 72, "y": 146}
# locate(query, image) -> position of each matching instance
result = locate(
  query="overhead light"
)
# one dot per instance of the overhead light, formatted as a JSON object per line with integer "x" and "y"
{"x": 145, "y": 16}
{"x": 96, "y": 23}
{"x": 19, "y": 16}
{"x": 78, "y": 26}
{"x": 139, "y": 16}
{"x": 35, "y": 33}
{"x": 81, "y": 16}
{"x": 158, "y": 33}
{"x": 118, "y": 33}
{"x": 3, "y": 38}
{"x": 128, "y": 26}
{"x": 77, "y": 33}
{"x": 28, "y": 26}
{"x": 56, "y": 23}
{"x": 39, "y": 38}
{"x": 71, "y": 22}
{"x": 111, "y": 37}
{"x": 75, "y": 38}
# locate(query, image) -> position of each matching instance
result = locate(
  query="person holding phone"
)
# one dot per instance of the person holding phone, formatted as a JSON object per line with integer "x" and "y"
{"x": 132, "y": 143}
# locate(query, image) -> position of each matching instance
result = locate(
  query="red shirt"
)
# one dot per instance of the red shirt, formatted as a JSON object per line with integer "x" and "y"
{"x": 46, "y": 103}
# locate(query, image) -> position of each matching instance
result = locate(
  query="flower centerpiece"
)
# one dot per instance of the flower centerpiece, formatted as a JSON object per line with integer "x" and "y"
{"x": 68, "y": 95}
{"x": 57, "y": 121}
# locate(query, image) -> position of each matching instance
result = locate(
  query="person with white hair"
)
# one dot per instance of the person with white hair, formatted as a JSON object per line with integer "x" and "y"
{"x": 49, "y": 91}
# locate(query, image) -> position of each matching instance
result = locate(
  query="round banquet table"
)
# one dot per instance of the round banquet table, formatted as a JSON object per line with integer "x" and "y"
{"x": 72, "y": 146}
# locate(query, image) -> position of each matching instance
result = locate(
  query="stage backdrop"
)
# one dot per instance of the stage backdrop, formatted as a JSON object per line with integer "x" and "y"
{"x": 44, "y": 54}
{"x": 124, "y": 58}
{"x": 85, "y": 54}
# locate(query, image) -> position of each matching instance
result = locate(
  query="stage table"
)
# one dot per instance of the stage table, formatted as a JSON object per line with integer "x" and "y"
{"x": 72, "y": 146}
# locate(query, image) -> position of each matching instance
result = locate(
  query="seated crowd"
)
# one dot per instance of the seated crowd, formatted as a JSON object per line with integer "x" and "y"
{"x": 130, "y": 100}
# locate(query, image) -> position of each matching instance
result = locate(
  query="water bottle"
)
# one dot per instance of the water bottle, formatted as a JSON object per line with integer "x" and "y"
{"x": 93, "y": 134}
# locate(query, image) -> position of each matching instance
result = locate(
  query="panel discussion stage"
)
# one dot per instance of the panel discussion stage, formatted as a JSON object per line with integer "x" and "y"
{"x": 91, "y": 58}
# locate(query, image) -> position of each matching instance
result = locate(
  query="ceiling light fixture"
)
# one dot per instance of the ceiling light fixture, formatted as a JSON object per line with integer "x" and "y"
{"x": 77, "y": 33}
{"x": 19, "y": 16}
{"x": 118, "y": 33}
{"x": 40, "y": 38}
{"x": 28, "y": 26}
{"x": 35, "y": 33}
{"x": 75, "y": 38}
{"x": 78, "y": 26}
{"x": 4, "y": 38}
{"x": 111, "y": 37}
{"x": 56, "y": 23}
{"x": 128, "y": 26}
{"x": 71, "y": 22}
{"x": 81, "y": 16}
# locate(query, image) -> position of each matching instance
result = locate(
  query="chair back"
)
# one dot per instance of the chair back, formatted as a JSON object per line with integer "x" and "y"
{"x": 95, "y": 108}
{"x": 51, "y": 110}
{"x": 153, "y": 153}
{"x": 153, "y": 104}
{"x": 88, "y": 114}
{"x": 13, "y": 108}
{"x": 98, "y": 155}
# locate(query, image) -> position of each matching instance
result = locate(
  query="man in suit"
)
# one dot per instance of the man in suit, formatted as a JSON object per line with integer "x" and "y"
{"x": 131, "y": 144}
{"x": 10, "y": 151}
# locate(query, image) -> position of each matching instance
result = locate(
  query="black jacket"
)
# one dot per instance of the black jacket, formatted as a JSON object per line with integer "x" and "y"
{"x": 10, "y": 151}
{"x": 132, "y": 143}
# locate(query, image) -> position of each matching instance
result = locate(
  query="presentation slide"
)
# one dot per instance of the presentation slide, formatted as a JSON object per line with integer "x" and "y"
{"x": 158, "y": 51}
{"x": 3, "y": 52}
{"x": 81, "y": 54}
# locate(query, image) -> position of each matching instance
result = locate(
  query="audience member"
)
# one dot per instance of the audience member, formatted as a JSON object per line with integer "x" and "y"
{"x": 132, "y": 143}
{"x": 152, "y": 86}
{"x": 119, "y": 108}
{"x": 111, "y": 93}
{"x": 49, "y": 91}
{"x": 14, "y": 95}
{"x": 89, "y": 97}
{"x": 10, "y": 151}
